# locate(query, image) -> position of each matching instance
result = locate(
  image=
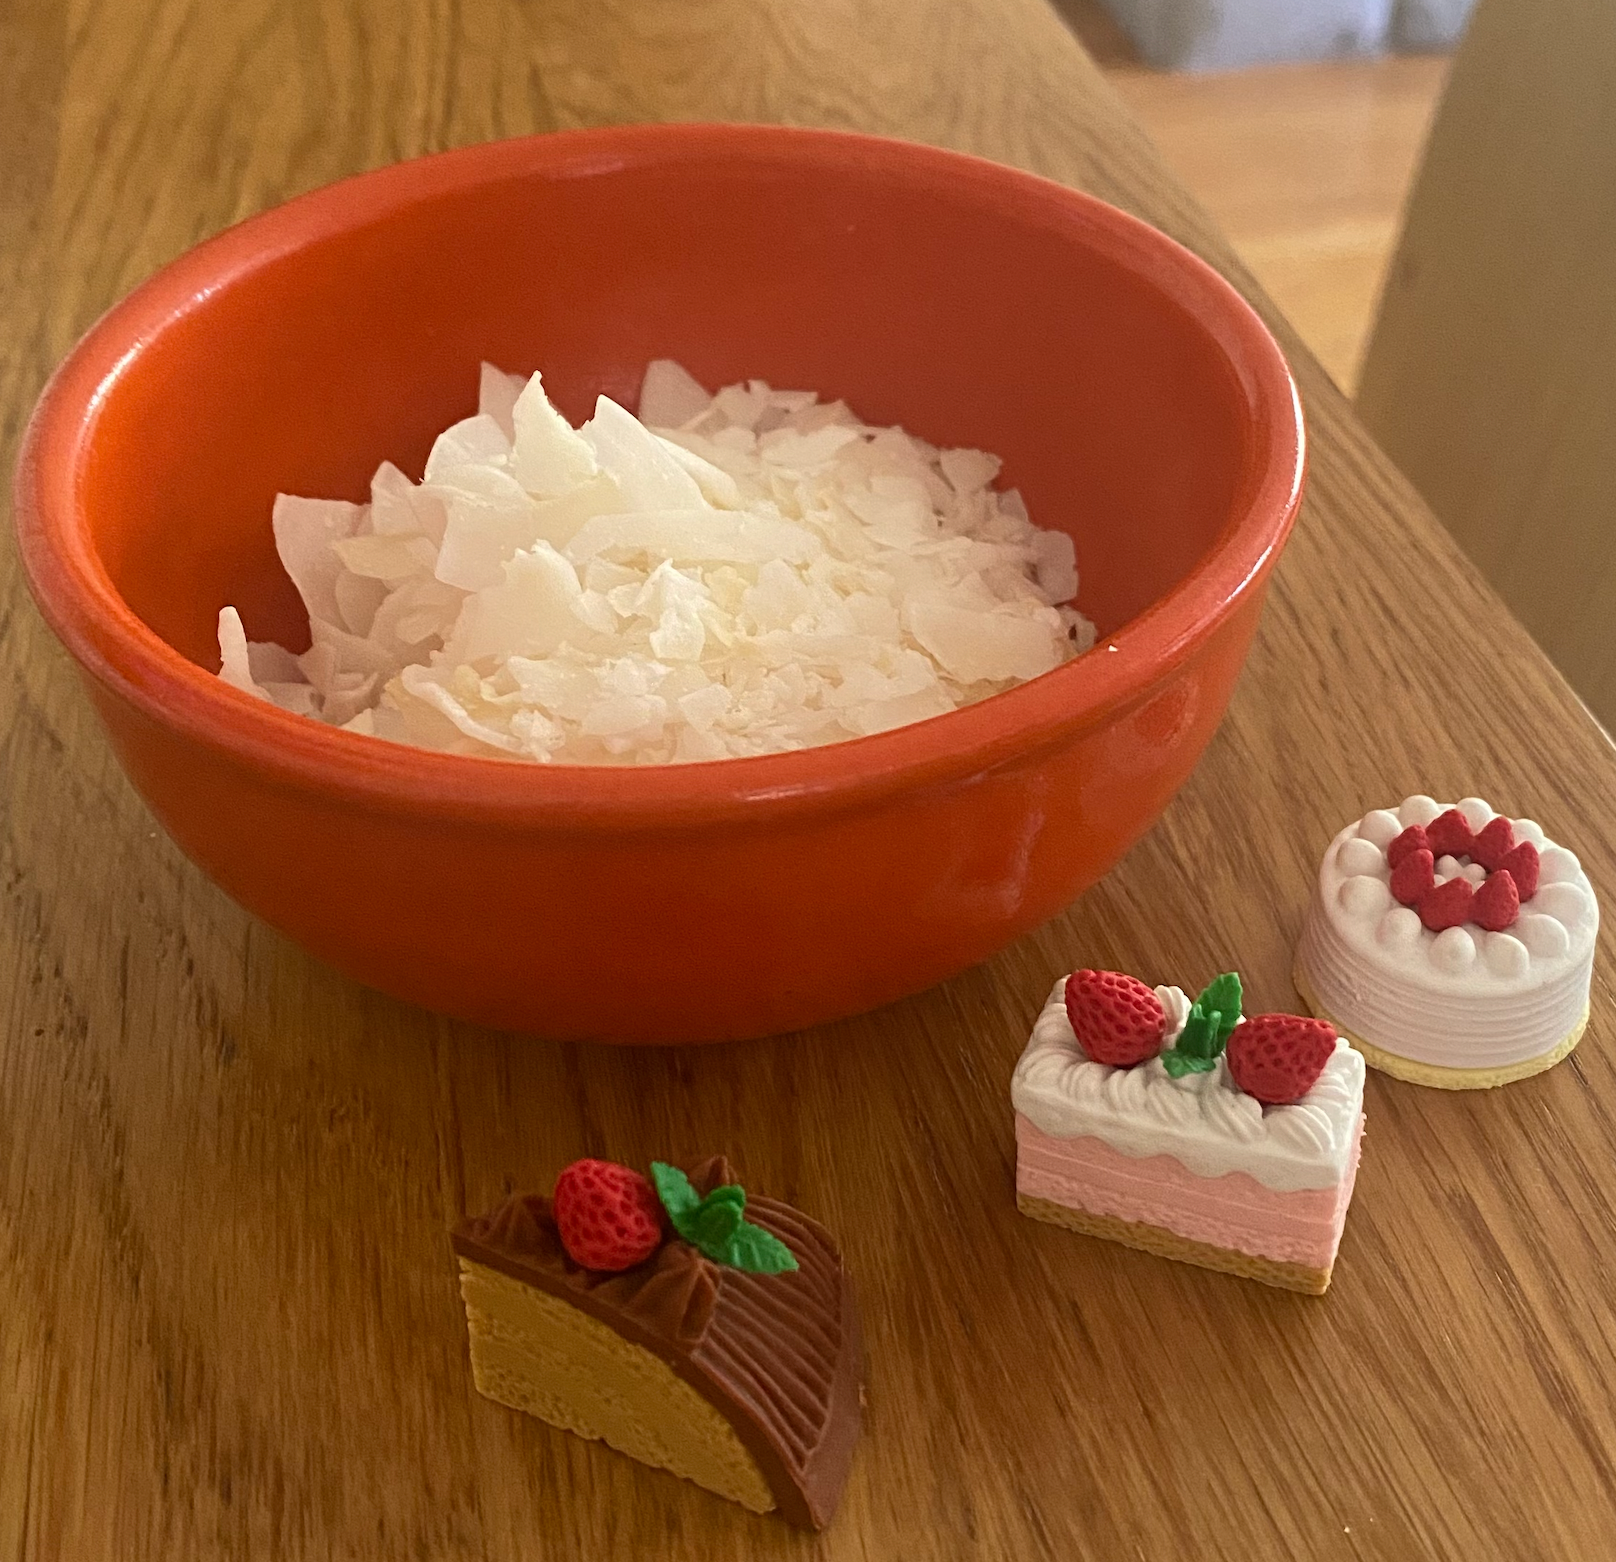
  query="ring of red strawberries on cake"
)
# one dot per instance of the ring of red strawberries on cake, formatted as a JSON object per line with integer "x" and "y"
{"x": 1511, "y": 867}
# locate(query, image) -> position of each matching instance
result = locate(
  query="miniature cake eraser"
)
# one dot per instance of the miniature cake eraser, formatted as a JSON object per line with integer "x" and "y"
{"x": 679, "y": 1321}
{"x": 1188, "y": 1131}
{"x": 1452, "y": 945}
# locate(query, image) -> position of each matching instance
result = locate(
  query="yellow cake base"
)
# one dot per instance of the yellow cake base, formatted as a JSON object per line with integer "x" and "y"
{"x": 1431, "y": 1074}
{"x": 1168, "y": 1244}
{"x": 537, "y": 1353}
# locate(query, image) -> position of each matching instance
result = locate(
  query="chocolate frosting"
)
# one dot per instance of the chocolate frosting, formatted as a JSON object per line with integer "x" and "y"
{"x": 778, "y": 1355}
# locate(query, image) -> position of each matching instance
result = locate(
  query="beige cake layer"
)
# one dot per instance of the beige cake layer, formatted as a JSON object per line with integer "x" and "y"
{"x": 536, "y": 1353}
{"x": 1168, "y": 1244}
{"x": 1433, "y": 1074}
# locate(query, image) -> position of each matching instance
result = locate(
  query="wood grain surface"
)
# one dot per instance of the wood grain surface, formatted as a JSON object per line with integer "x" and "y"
{"x": 229, "y": 1324}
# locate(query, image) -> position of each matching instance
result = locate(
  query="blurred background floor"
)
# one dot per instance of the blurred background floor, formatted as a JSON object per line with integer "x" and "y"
{"x": 1304, "y": 167}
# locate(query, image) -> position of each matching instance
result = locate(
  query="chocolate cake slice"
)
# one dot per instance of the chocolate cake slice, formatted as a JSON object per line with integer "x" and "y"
{"x": 695, "y": 1359}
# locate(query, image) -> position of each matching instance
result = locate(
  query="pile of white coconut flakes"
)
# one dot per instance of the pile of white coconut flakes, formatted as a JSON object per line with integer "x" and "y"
{"x": 724, "y": 576}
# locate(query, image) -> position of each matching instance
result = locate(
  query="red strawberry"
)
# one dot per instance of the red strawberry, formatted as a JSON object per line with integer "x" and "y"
{"x": 1117, "y": 1018}
{"x": 1493, "y": 843}
{"x": 1448, "y": 905}
{"x": 1413, "y": 877}
{"x": 1278, "y": 1057}
{"x": 608, "y": 1215}
{"x": 1450, "y": 835}
{"x": 1413, "y": 839}
{"x": 1523, "y": 866}
{"x": 1497, "y": 903}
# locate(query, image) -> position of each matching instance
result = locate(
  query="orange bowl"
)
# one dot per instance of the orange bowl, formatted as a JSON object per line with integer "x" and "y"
{"x": 1137, "y": 401}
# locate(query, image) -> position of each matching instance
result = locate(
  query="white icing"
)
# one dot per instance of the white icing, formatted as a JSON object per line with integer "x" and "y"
{"x": 1418, "y": 809}
{"x": 1399, "y": 928}
{"x": 1544, "y": 937}
{"x": 1569, "y": 904}
{"x": 1506, "y": 955}
{"x": 1360, "y": 857}
{"x": 1381, "y": 827}
{"x": 1205, "y": 1121}
{"x": 1365, "y": 895}
{"x": 1558, "y": 866}
{"x": 1461, "y": 998}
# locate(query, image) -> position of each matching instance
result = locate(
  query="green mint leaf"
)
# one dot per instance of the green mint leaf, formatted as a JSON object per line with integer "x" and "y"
{"x": 758, "y": 1252}
{"x": 1197, "y": 1037}
{"x": 679, "y": 1199}
{"x": 726, "y": 1193}
{"x": 1178, "y": 1064}
{"x": 715, "y": 1223}
{"x": 1222, "y": 996}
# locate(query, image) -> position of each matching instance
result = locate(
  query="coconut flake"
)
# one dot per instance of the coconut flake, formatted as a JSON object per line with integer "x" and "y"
{"x": 727, "y": 575}
{"x": 234, "y": 665}
{"x": 670, "y": 396}
{"x": 548, "y": 457}
{"x": 496, "y": 398}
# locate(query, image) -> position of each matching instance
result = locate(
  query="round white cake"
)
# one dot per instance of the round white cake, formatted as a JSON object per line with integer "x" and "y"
{"x": 1460, "y": 1007}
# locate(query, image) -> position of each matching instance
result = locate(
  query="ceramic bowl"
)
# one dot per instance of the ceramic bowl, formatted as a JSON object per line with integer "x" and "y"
{"x": 1138, "y": 403}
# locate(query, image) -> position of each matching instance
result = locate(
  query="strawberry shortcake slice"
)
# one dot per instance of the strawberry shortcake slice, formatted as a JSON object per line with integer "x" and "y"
{"x": 1188, "y": 1131}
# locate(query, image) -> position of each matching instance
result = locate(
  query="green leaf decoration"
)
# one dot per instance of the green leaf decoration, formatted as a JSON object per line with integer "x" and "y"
{"x": 760, "y": 1253}
{"x": 716, "y": 1222}
{"x": 1222, "y": 996}
{"x": 1199, "y": 1036}
{"x": 679, "y": 1199}
{"x": 716, "y": 1226}
{"x": 1212, "y": 1020}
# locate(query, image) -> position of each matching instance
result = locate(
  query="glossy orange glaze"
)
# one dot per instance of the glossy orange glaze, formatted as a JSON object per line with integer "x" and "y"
{"x": 1138, "y": 402}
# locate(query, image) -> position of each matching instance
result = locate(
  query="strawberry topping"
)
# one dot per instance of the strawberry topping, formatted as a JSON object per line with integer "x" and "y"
{"x": 1450, "y": 835}
{"x": 1278, "y": 1057}
{"x": 1497, "y": 903}
{"x": 609, "y": 1216}
{"x": 1414, "y": 877}
{"x": 1448, "y": 905}
{"x": 1118, "y": 1019}
{"x": 1492, "y": 843}
{"x": 1413, "y": 839}
{"x": 1522, "y": 864}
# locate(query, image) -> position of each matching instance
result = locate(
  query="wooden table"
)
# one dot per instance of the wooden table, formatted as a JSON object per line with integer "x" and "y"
{"x": 228, "y": 1318}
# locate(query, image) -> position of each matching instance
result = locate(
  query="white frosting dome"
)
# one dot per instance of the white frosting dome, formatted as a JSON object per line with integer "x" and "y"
{"x": 1205, "y": 1121}
{"x": 1462, "y": 997}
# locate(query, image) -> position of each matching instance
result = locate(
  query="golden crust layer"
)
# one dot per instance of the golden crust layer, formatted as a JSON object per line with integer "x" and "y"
{"x": 1168, "y": 1244}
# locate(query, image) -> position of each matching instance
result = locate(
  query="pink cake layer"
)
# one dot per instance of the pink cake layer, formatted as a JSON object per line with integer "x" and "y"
{"x": 1233, "y": 1211}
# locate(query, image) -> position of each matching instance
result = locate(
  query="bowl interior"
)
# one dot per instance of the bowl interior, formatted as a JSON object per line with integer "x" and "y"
{"x": 972, "y": 306}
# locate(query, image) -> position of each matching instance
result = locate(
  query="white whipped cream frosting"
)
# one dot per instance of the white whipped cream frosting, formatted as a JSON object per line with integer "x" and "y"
{"x": 1205, "y": 1121}
{"x": 1462, "y": 998}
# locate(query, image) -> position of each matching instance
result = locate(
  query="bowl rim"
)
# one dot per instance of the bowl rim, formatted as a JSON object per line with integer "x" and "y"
{"x": 131, "y": 662}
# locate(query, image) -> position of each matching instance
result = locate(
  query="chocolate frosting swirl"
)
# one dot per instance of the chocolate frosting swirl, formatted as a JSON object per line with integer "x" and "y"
{"x": 779, "y": 1355}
